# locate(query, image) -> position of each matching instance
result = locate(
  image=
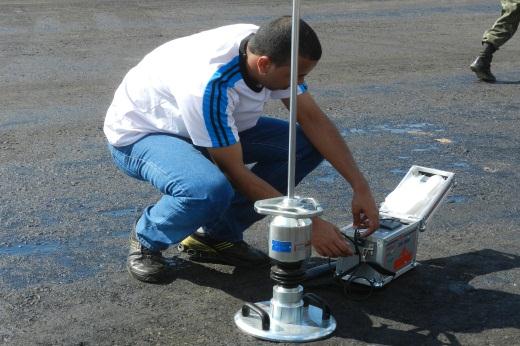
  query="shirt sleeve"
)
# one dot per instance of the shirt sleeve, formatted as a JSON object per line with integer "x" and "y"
{"x": 286, "y": 93}
{"x": 210, "y": 123}
{"x": 209, "y": 117}
{"x": 218, "y": 105}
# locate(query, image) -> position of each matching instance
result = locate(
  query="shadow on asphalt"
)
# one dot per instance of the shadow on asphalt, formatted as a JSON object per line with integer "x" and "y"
{"x": 436, "y": 300}
{"x": 242, "y": 283}
{"x": 503, "y": 82}
{"x": 507, "y": 82}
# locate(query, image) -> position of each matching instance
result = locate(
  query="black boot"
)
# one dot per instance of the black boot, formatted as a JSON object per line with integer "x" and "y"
{"x": 482, "y": 64}
{"x": 146, "y": 265}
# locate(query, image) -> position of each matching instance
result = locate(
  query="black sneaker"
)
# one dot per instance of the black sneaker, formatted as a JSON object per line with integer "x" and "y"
{"x": 482, "y": 68}
{"x": 239, "y": 254}
{"x": 146, "y": 265}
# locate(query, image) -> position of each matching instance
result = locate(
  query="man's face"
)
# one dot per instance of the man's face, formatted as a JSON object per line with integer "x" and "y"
{"x": 279, "y": 77}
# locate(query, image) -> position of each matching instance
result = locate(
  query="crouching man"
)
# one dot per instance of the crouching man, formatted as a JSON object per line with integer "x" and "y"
{"x": 189, "y": 118}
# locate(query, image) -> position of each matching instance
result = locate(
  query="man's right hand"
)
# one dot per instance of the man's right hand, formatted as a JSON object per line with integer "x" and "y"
{"x": 327, "y": 239}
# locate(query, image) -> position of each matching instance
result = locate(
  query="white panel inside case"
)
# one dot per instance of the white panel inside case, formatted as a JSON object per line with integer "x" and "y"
{"x": 417, "y": 194}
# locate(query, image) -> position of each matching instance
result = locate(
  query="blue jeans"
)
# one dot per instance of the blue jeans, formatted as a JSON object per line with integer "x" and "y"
{"x": 196, "y": 193}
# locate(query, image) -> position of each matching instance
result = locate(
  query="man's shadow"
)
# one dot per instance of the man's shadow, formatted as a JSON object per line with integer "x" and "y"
{"x": 434, "y": 301}
{"x": 430, "y": 303}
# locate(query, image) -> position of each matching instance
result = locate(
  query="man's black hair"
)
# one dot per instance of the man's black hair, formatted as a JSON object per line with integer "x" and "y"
{"x": 274, "y": 40}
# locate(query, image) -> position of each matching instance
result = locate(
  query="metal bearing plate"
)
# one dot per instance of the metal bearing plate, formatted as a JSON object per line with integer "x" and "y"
{"x": 310, "y": 328}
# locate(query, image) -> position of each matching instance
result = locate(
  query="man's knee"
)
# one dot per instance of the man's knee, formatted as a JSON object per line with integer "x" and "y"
{"x": 212, "y": 194}
{"x": 220, "y": 192}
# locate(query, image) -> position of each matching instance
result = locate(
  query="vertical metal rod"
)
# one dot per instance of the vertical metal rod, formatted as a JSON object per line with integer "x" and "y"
{"x": 292, "y": 104}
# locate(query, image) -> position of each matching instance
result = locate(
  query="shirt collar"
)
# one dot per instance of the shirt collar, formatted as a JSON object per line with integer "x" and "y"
{"x": 243, "y": 67}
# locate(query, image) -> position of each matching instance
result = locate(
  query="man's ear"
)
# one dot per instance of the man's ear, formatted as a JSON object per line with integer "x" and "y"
{"x": 264, "y": 64}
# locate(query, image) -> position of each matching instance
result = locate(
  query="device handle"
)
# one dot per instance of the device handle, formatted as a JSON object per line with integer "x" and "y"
{"x": 309, "y": 298}
{"x": 246, "y": 310}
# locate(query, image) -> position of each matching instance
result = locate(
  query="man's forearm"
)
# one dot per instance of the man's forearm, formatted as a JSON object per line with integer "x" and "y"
{"x": 229, "y": 160}
{"x": 252, "y": 186}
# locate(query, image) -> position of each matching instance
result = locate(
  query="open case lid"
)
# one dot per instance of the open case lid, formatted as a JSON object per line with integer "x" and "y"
{"x": 418, "y": 194}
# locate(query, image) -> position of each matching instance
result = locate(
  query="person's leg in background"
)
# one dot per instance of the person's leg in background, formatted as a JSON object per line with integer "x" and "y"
{"x": 194, "y": 190}
{"x": 503, "y": 29}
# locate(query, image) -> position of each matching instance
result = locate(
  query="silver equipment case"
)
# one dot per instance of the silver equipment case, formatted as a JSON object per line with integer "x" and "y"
{"x": 404, "y": 213}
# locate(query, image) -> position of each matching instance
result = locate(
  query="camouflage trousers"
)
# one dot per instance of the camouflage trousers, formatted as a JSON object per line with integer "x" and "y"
{"x": 506, "y": 25}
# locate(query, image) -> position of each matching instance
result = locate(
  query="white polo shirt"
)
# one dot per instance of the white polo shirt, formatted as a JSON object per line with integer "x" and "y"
{"x": 195, "y": 87}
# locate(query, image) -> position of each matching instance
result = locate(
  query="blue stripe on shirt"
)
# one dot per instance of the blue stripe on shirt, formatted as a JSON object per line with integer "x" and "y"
{"x": 215, "y": 103}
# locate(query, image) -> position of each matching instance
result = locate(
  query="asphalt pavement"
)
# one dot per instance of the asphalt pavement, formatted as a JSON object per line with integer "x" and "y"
{"x": 394, "y": 78}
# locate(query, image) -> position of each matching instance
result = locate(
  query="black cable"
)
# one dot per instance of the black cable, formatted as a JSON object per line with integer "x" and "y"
{"x": 346, "y": 285}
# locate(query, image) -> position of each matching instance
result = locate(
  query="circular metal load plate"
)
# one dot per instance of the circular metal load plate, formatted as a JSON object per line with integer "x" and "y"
{"x": 310, "y": 327}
